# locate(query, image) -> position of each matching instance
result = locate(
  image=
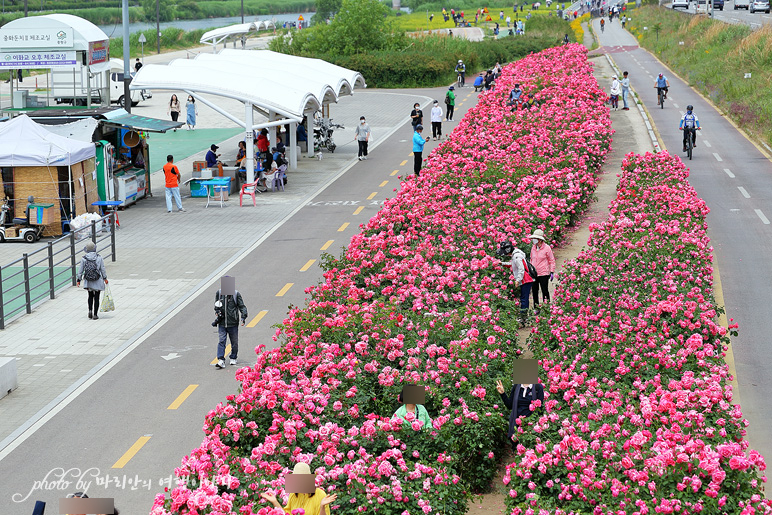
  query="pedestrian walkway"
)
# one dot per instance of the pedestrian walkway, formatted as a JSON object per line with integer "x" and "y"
{"x": 163, "y": 259}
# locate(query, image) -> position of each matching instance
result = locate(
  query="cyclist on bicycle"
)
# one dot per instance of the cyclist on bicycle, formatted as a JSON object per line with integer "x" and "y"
{"x": 461, "y": 71}
{"x": 602, "y": 24}
{"x": 662, "y": 84}
{"x": 689, "y": 121}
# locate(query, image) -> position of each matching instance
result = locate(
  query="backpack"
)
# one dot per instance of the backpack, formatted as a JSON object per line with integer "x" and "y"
{"x": 530, "y": 268}
{"x": 447, "y": 98}
{"x": 90, "y": 270}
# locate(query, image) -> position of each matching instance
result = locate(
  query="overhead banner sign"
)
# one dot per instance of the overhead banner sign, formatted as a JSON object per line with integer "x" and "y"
{"x": 49, "y": 38}
{"x": 98, "y": 52}
{"x": 26, "y": 60}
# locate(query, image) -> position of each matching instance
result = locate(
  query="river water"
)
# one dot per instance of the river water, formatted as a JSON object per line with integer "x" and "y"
{"x": 207, "y": 23}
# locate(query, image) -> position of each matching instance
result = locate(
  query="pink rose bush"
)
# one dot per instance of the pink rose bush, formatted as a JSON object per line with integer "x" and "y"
{"x": 639, "y": 415}
{"x": 416, "y": 298}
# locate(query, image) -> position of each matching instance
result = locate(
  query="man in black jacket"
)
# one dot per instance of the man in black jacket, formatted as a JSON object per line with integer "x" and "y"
{"x": 519, "y": 401}
{"x": 227, "y": 309}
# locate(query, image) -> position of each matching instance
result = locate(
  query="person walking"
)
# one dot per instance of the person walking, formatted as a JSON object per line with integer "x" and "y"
{"x": 174, "y": 109}
{"x": 543, "y": 260}
{"x": 173, "y": 178}
{"x": 436, "y": 121}
{"x": 362, "y": 135}
{"x": 616, "y": 90}
{"x": 625, "y": 91}
{"x": 418, "y": 148}
{"x": 520, "y": 274}
{"x": 450, "y": 103}
{"x": 191, "y": 111}
{"x": 92, "y": 269}
{"x": 227, "y": 309}
{"x": 416, "y": 115}
{"x": 137, "y": 65}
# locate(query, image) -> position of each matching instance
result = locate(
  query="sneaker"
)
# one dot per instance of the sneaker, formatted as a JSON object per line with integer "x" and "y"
{"x": 182, "y": 209}
{"x": 233, "y": 362}
{"x": 360, "y": 158}
{"x": 96, "y": 317}
{"x": 684, "y": 150}
{"x": 168, "y": 211}
{"x": 220, "y": 363}
{"x": 90, "y": 315}
{"x": 364, "y": 158}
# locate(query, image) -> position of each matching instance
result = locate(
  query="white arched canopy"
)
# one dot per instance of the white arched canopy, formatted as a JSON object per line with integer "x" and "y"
{"x": 224, "y": 34}
{"x": 304, "y": 86}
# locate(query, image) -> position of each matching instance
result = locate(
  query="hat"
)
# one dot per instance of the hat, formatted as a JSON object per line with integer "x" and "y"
{"x": 436, "y": 101}
{"x": 90, "y": 246}
{"x": 419, "y": 127}
{"x": 460, "y": 61}
{"x": 538, "y": 234}
{"x": 451, "y": 88}
{"x": 613, "y": 76}
{"x": 214, "y": 147}
{"x": 301, "y": 468}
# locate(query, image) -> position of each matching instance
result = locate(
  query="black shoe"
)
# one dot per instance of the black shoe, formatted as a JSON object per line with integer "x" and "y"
{"x": 90, "y": 315}
{"x": 96, "y": 317}
{"x": 684, "y": 150}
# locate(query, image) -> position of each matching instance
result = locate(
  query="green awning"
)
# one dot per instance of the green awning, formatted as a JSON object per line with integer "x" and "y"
{"x": 140, "y": 123}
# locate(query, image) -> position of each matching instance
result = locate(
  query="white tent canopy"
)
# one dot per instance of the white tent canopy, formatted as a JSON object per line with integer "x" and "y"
{"x": 223, "y": 34}
{"x": 25, "y": 143}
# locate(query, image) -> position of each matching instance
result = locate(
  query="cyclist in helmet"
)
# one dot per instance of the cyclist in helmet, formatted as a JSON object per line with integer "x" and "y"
{"x": 461, "y": 70}
{"x": 690, "y": 121}
{"x": 662, "y": 84}
{"x": 602, "y": 24}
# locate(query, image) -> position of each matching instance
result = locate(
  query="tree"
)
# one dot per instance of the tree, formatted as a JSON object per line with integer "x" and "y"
{"x": 360, "y": 26}
{"x": 326, "y": 9}
{"x": 164, "y": 10}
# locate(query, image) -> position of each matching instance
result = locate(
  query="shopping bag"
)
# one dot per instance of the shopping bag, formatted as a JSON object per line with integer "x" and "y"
{"x": 107, "y": 302}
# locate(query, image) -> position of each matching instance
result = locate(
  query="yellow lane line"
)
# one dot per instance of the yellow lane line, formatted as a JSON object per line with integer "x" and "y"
{"x": 403, "y": 163}
{"x": 226, "y": 353}
{"x": 308, "y": 265}
{"x": 384, "y": 183}
{"x": 718, "y": 294}
{"x": 184, "y": 395}
{"x": 359, "y": 210}
{"x": 284, "y": 290}
{"x": 372, "y": 195}
{"x": 341, "y": 229}
{"x": 134, "y": 449}
{"x": 258, "y": 318}
{"x": 395, "y": 172}
{"x": 327, "y": 245}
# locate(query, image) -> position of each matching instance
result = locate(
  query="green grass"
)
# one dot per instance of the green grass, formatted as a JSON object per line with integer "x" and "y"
{"x": 419, "y": 21}
{"x": 713, "y": 59}
{"x": 39, "y": 286}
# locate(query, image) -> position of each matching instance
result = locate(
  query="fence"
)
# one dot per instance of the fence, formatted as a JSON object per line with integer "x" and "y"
{"x": 27, "y": 281}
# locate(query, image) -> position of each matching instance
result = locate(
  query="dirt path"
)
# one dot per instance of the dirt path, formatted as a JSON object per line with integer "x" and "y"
{"x": 630, "y": 136}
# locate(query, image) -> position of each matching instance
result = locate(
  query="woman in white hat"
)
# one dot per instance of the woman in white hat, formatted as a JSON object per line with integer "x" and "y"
{"x": 543, "y": 260}
{"x": 616, "y": 90}
{"x": 313, "y": 504}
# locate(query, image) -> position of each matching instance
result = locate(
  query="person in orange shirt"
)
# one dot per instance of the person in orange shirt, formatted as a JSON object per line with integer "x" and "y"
{"x": 172, "y": 174}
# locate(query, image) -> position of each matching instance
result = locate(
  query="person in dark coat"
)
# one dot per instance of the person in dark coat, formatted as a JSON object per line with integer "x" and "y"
{"x": 519, "y": 401}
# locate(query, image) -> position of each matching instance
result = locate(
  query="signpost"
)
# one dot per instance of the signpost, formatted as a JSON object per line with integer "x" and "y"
{"x": 142, "y": 41}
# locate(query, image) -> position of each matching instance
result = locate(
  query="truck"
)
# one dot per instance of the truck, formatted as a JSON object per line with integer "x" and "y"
{"x": 70, "y": 86}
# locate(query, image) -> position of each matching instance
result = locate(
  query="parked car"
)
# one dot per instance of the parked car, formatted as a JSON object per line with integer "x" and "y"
{"x": 741, "y": 4}
{"x": 684, "y": 4}
{"x": 718, "y": 4}
{"x": 759, "y": 6}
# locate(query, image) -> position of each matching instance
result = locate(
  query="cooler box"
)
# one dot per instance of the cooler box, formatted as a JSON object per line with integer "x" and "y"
{"x": 41, "y": 214}
{"x": 197, "y": 189}
{"x": 204, "y": 173}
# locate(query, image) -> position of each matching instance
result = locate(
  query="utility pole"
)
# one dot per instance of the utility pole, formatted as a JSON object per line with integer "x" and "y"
{"x": 242, "y": 11}
{"x": 25, "y": 8}
{"x": 126, "y": 58}
{"x": 158, "y": 25}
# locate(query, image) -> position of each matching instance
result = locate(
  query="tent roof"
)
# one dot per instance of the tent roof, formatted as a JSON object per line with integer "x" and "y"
{"x": 303, "y": 85}
{"x": 25, "y": 143}
{"x": 115, "y": 116}
{"x": 217, "y": 35}
{"x": 84, "y": 32}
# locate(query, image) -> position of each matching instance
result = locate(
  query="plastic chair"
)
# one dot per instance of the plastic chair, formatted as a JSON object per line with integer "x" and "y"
{"x": 249, "y": 189}
{"x": 278, "y": 178}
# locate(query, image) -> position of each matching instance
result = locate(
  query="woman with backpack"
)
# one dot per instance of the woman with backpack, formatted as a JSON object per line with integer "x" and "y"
{"x": 522, "y": 272}
{"x": 544, "y": 261}
{"x": 92, "y": 269}
{"x": 450, "y": 102}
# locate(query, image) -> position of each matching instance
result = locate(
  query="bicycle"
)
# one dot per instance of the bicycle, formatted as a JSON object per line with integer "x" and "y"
{"x": 689, "y": 135}
{"x": 460, "y": 80}
{"x": 660, "y": 97}
{"x": 602, "y": 28}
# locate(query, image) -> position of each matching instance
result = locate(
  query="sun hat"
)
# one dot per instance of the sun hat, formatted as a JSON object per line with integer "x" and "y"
{"x": 538, "y": 234}
{"x": 301, "y": 468}
{"x": 90, "y": 246}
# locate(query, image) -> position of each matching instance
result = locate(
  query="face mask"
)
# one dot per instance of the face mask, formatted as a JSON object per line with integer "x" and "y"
{"x": 534, "y": 241}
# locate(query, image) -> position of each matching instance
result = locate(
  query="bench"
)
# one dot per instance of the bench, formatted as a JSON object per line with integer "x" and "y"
{"x": 8, "y": 376}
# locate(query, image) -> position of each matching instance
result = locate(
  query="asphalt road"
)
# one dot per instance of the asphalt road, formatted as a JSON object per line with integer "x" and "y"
{"x": 128, "y": 407}
{"x": 735, "y": 179}
{"x": 732, "y": 15}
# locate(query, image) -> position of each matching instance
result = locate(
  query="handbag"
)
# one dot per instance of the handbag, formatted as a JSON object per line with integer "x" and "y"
{"x": 107, "y": 303}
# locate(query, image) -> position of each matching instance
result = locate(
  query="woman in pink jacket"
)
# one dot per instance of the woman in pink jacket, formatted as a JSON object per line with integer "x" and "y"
{"x": 544, "y": 261}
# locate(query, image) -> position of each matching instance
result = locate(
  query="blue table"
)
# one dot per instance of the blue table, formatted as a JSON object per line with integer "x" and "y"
{"x": 113, "y": 205}
{"x": 222, "y": 182}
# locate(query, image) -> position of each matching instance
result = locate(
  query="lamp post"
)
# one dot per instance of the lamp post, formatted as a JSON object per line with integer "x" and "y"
{"x": 158, "y": 26}
{"x": 242, "y": 11}
{"x": 126, "y": 58}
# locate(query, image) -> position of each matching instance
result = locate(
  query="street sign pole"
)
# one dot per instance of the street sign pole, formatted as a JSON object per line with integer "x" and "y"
{"x": 142, "y": 41}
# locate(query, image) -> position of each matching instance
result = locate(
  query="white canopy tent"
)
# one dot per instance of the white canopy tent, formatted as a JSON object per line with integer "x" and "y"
{"x": 224, "y": 34}
{"x": 304, "y": 86}
{"x": 25, "y": 143}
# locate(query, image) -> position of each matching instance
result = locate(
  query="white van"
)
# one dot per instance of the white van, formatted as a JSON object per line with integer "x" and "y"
{"x": 742, "y": 4}
{"x": 70, "y": 86}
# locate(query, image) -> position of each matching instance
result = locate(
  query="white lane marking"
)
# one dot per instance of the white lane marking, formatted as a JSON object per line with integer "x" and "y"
{"x": 707, "y": 144}
{"x": 675, "y": 105}
{"x": 733, "y": 210}
{"x": 718, "y": 157}
{"x": 745, "y": 193}
{"x": 729, "y": 173}
{"x": 763, "y": 218}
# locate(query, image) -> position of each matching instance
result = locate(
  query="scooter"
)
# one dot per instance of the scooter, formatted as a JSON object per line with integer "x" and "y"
{"x": 323, "y": 134}
{"x": 12, "y": 231}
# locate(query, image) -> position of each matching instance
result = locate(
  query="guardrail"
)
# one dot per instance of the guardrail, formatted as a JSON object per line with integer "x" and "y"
{"x": 40, "y": 275}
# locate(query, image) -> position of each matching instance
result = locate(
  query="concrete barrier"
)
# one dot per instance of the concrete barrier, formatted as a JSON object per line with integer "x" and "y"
{"x": 8, "y": 376}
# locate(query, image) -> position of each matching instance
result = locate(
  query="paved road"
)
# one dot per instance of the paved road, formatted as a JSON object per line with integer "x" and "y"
{"x": 732, "y": 15}
{"x": 735, "y": 179}
{"x": 128, "y": 407}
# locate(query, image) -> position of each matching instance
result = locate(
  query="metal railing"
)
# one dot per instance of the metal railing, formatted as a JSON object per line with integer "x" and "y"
{"x": 45, "y": 271}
